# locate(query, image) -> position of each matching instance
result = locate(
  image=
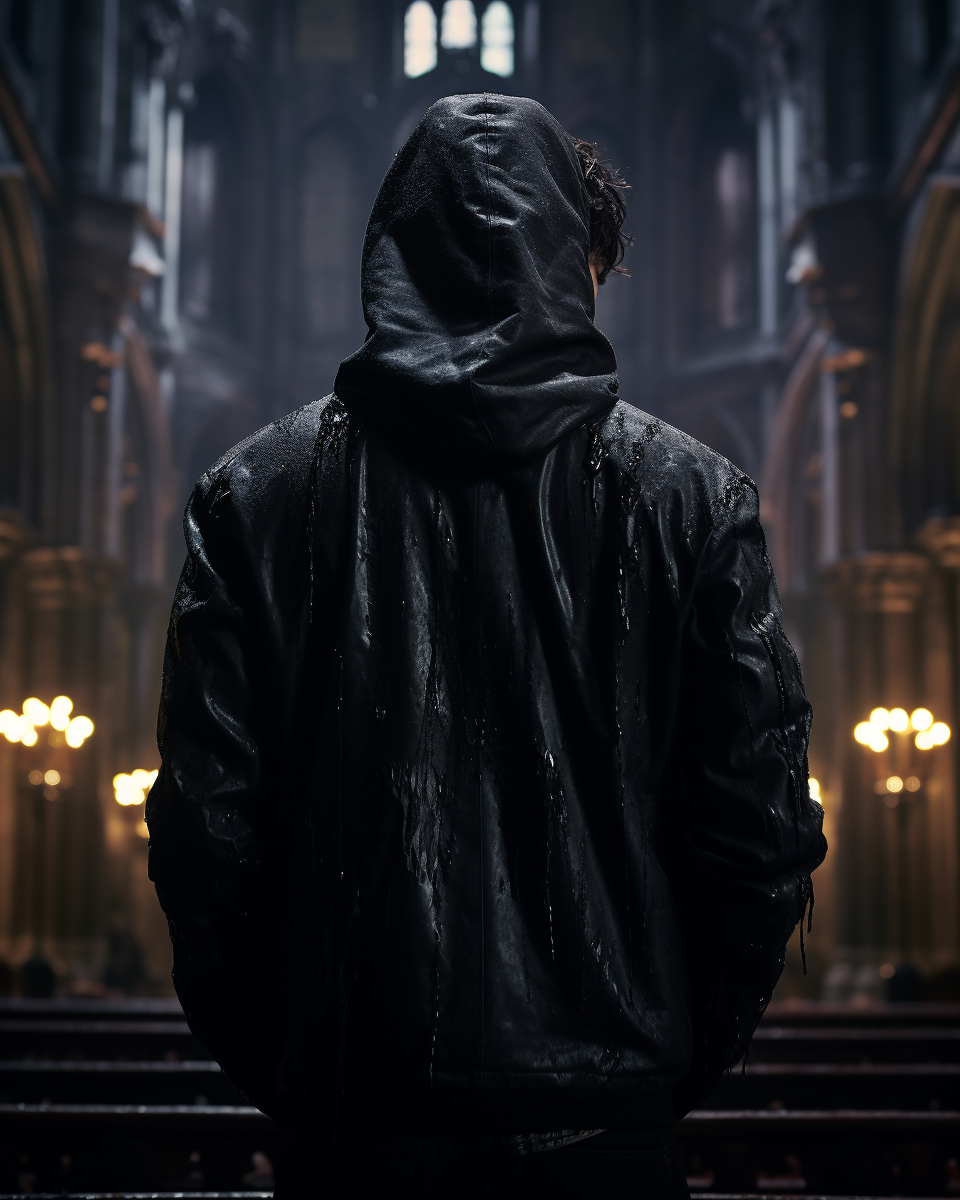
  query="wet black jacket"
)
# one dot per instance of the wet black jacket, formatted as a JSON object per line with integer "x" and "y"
{"x": 484, "y": 791}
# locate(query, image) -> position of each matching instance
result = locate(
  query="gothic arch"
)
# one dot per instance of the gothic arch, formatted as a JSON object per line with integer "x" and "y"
{"x": 925, "y": 408}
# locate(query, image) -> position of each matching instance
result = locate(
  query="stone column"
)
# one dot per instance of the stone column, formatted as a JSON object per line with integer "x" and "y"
{"x": 66, "y": 645}
{"x": 14, "y": 535}
{"x": 940, "y": 536}
{"x": 885, "y": 614}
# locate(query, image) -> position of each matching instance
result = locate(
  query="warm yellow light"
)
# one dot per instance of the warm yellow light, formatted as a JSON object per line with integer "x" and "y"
{"x": 29, "y": 736}
{"x": 51, "y": 777}
{"x": 125, "y": 791}
{"x": 894, "y": 784}
{"x": 939, "y": 733}
{"x": 132, "y": 789}
{"x": 77, "y": 731}
{"x": 921, "y": 718}
{"x": 912, "y": 783}
{"x": 864, "y": 733}
{"x": 878, "y": 742}
{"x": 923, "y": 740}
{"x": 815, "y": 790}
{"x": 36, "y": 712}
{"x": 899, "y": 721}
{"x": 60, "y": 711}
{"x": 11, "y": 725}
{"x": 880, "y": 719}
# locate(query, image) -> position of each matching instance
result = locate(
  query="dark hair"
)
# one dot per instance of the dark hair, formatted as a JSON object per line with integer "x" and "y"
{"x": 608, "y": 209}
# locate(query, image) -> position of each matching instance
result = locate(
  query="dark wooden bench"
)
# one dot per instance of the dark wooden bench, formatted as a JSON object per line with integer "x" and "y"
{"x": 846, "y": 1101}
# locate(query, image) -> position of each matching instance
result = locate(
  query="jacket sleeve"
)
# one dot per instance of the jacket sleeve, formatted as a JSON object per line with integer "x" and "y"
{"x": 751, "y": 833}
{"x": 208, "y": 812}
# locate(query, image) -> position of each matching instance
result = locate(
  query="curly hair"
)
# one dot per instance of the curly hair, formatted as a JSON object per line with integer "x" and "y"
{"x": 608, "y": 209}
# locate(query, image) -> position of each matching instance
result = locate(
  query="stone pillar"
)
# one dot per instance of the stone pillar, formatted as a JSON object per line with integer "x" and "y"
{"x": 14, "y": 535}
{"x": 59, "y": 880}
{"x": 940, "y": 536}
{"x": 892, "y": 874}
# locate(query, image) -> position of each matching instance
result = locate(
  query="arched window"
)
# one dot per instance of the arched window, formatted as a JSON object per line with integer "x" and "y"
{"x": 458, "y": 25}
{"x": 496, "y": 39}
{"x": 458, "y": 32}
{"x": 419, "y": 39}
{"x": 329, "y": 235}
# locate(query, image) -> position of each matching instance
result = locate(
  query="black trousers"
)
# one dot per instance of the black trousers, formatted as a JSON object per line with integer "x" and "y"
{"x": 635, "y": 1164}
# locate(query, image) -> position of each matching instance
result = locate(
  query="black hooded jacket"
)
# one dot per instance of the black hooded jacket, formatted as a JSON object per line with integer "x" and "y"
{"x": 484, "y": 793}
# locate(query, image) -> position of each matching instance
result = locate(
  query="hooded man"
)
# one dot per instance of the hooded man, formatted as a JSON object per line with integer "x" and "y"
{"x": 483, "y": 819}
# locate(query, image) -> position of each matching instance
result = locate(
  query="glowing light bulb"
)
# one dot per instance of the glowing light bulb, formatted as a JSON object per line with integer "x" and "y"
{"x": 132, "y": 789}
{"x": 923, "y": 740}
{"x": 899, "y": 721}
{"x": 77, "y": 731}
{"x": 894, "y": 784}
{"x": 864, "y": 733}
{"x": 880, "y": 742}
{"x": 60, "y": 711}
{"x": 11, "y": 725}
{"x": 939, "y": 733}
{"x": 51, "y": 777}
{"x": 29, "y": 736}
{"x": 880, "y": 719}
{"x": 36, "y": 712}
{"x": 921, "y": 719}
{"x": 815, "y": 790}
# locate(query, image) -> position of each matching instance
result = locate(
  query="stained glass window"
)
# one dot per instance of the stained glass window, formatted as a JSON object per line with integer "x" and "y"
{"x": 496, "y": 39}
{"x": 458, "y": 25}
{"x": 419, "y": 39}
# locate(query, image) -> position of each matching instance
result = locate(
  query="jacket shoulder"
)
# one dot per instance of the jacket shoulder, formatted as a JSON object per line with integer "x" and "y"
{"x": 257, "y": 495}
{"x": 664, "y": 464}
{"x": 283, "y": 449}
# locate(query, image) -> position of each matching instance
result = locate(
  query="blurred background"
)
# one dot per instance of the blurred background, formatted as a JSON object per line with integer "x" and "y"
{"x": 183, "y": 192}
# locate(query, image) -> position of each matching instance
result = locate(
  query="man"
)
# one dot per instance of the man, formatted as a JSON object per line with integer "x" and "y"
{"x": 483, "y": 820}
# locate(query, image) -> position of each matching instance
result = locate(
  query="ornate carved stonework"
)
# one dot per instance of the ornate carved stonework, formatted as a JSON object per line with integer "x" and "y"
{"x": 59, "y": 577}
{"x": 878, "y": 582}
{"x": 14, "y": 533}
{"x": 941, "y": 537}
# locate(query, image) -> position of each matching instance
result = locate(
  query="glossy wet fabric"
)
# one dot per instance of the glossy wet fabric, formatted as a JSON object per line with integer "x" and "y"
{"x": 483, "y": 800}
{"x": 482, "y": 351}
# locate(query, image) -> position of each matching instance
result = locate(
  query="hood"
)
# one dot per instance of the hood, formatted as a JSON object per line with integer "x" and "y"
{"x": 476, "y": 290}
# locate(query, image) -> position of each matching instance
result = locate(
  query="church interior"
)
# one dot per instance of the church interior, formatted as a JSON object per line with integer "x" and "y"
{"x": 183, "y": 191}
